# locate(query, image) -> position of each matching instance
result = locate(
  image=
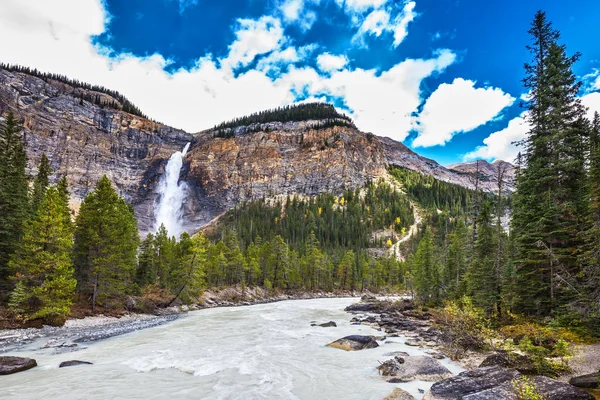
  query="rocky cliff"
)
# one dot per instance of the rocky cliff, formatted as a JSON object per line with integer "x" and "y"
{"x": 84, "y": 141}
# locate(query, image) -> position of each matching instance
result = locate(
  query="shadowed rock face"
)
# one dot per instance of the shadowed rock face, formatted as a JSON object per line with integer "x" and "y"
{"x": 86, "y": 141}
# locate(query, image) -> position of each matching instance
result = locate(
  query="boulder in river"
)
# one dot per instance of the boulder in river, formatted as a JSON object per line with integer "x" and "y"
{"x": 72, "y": 363}
{"x": 396, "y": 353}
{"x": 328, "y": 324}
{"x": 415, "y": 368}
{"x": 354, "y": 342}
{"x": 468, "y": 382}
{"x": 521, "y": 363}
{"x": 589, "y": 381}
{"x": 399, "y": 394}
{"x": 547, "y": 388}
{"x": 11, "y": 365}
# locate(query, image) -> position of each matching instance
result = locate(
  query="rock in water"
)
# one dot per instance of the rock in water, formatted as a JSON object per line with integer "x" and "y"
{"x": 547, "y": 388}
{"x": 354, "y": 342}
{"x": 72, "y": 363}
{"x": 469, "y": 382}
{"x": 399, "y": 394}
{"x": 416, "y": 368}
{"x": 590, "y": 381}
{"x": 328, "y": 324}
{"x": 11, "y": 365}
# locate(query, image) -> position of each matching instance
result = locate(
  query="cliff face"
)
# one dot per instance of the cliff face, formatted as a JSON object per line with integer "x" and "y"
{"x": 85, "y": 141}
{"x": 488, "y": 173}
{"x": 279, "y": 160}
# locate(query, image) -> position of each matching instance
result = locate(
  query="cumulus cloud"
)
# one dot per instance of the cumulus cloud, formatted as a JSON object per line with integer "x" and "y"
{"x": 328, "y": 62}
{"x": 380, "y": 21}
{"x": 502, "y": 145}
{"x": 592, "y": 102}
{"x": 254, "y": 37}
{"x": 297, "y": 12}
{"x": 592, "y": 80}
{"x": 57, "y": 38}
{"x": 457, "y": 107}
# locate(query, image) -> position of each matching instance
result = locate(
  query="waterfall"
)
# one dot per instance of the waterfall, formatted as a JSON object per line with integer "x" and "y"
{"x": 169, "y": 210}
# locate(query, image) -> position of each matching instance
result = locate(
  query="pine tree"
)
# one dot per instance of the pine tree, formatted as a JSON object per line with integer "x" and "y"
{"x": 426, "y": 270}
{"x": 548, "y": 202}
{"x": 147, "y": 262}
{"x": 483, "y": 279}
{"x": 14, "y": 191}
{"x": 106, "y": 243}
{"x": 41, "y": 182}
{"x": 43, "y": 264}
{"x": 591, "y": 256}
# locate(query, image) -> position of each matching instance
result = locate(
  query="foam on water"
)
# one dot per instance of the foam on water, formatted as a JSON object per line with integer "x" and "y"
{"x": 224, "y": 353}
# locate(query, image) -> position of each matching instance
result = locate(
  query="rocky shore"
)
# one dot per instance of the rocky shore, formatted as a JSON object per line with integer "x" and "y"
{"x": 500, "y": 375}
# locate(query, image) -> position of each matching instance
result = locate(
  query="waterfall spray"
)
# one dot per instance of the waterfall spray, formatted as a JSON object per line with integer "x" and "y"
{"x": 169, "y": 210}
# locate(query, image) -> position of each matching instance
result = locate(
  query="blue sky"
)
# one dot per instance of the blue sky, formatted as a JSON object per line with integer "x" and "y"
{"x": 443, "y": 76}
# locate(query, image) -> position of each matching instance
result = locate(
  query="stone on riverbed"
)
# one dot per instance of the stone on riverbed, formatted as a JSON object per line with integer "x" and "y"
{"x": 326, "y": 324}
{"x": 547, "y": 388}
{"x": 396, "y": 353}
{"x": 468, "y": 382}
{"x": 415, "y": 368}
{"x": 11, "y": 365}
{"x": 590, "y": 381}
{"x": 399, "y": 394}
{"x": 73, "y": 363}
{"x": 354, "y": 342}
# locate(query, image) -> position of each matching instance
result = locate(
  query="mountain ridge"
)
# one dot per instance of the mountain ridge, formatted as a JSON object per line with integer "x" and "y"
{"x": 86, "y": 140}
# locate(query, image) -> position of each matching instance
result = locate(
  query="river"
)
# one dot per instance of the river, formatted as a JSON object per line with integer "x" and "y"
{"x": 266, "y": 351}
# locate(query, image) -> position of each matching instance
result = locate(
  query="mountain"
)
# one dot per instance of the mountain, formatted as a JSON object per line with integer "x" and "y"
{"x": 488, "y": 172}
{"x": 86, "y": 132}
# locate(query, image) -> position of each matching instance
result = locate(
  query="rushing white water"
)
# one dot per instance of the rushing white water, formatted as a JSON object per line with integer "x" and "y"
{"x": 169, "y": 210}
{"x": 267, "y": 351}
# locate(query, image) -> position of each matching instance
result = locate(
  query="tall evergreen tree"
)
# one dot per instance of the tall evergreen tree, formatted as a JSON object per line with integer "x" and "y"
{"x": 426, "y": 271}
{"x": 41, "y": 182}
{"x": 14, "y": 191}
{"x": 591, "y": 256}
{"x": 483, "y": 278}
{"x": 547, "y": 204}
{"x": 106, "y": 243}
{"x": 43, "y": 265}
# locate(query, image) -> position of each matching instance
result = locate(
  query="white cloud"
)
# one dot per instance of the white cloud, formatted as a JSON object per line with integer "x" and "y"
{"x": 296, "y": 11}
{"x": 329, "y": 62}
{"x": 457, "y": 107}
{"x": 501, "y": 145}
{"x": 357, "y": 6}
{"x": 592, "y": 102}
{"x": 591, "y": 81}
{"x": 401, "y": 22}
{"x": 57, "y": 38}
{"x": 253, "y": 38}
{"x": 380, "y": 21}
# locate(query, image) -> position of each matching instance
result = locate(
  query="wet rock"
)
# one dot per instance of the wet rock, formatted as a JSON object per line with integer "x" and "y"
{"x": 419, "y": 368}
{"x": 399, "y": 394}
{"x": 73, "y": 363}
{"x": 469, "y": 382}
{"x": 547, "y": 388}
{"x": 590, "y": 381}
{"x": 413, "y": 342}
{"x": 354, "y": 342}
{"x": 521, "y": 363}
{"x": 11, "y": 365}
{"x": 325, "y": 324}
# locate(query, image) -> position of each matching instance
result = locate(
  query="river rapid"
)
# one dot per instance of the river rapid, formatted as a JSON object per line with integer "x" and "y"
{"x": 267, "y": 351}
